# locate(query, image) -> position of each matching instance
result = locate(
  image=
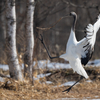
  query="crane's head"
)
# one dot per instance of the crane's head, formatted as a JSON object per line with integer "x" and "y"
{"x": 75, "y": 18}
{"x": 73, "y": 14}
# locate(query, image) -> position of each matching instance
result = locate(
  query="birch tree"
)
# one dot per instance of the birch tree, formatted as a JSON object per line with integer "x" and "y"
{"x": 28, "y": 58}
{"x": 14, "y": 67}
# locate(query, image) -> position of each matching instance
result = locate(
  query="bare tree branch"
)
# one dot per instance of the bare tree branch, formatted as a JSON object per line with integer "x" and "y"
{"x": 4, "y": 8}
{"x": 48, "y": 28}
{"x": 53, "y": 24}
{"x": 80, "y": 6}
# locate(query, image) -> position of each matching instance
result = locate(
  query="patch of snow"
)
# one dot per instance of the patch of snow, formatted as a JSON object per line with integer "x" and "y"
{"x": 42, "y": 64}
{"x": 58, "y": 66}
{"x": 88, "y": 97}
{"x": 67, "y": 99}
{"x": 74, "y": 99}
{"x": 94, "y": 63}
{"x": 95, "y": 99}
{"x": 89, "y": 81}
{"x": 41, "y": 76}
{"x": 96, "y": 96}
{"x": 48, "y": 82}
{"x": 8, "y": 75}
{"x": 2, "y": 79}
{"x": 67, "y": 84}
{"x": 4, "y": 67}
{"x": 70, "y": 83}
{"x": 52, "y": 65}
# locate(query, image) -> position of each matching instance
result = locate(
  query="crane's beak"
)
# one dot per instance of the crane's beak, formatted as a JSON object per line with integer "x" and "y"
{"x": 70, "y": 14}
{"x": 66, "y": 16}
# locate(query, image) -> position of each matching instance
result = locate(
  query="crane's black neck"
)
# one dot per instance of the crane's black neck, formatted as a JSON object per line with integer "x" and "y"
{"x": 74, "y": 22}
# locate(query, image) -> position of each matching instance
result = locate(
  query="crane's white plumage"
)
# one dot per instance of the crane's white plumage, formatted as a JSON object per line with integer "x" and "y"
{"x": 80, "y": 52}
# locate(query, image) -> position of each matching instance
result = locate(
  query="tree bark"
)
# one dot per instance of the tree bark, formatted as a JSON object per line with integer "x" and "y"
{"x": 14, "y": 67}
{"x": 28, "y": 58}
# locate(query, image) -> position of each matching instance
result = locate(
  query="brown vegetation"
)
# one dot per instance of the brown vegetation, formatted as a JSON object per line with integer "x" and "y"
{"x": 11, "y": 89}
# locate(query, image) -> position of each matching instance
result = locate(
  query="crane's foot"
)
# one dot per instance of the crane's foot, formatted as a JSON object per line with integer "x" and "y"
{"x": 67, "y": 90}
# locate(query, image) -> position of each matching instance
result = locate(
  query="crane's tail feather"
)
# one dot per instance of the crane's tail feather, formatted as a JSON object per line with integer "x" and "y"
{"x": 82, "y": 72}
{"x": 77, "y": 67}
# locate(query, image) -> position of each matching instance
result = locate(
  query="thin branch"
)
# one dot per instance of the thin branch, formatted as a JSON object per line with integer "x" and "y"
{"x": 53, "y": 24}
{"x": 48, "y": 28}
{"x": 81, "y": 6}
{"x": 34, "y": 3}
{"x": 83, "y": 31}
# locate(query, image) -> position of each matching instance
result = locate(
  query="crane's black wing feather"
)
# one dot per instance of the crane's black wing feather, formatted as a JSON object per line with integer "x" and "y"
{"x": 88, "y": 55}
{"x": 86, "y": 45}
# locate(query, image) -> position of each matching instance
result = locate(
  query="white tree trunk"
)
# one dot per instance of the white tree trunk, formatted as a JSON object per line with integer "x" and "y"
{"x": 28, "y": 58}
{"x": 14, "y": 67}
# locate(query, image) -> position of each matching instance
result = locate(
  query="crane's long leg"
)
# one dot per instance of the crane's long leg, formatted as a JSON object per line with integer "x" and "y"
{"x": 41, "y": 39}
{"x": 73, "y": 84}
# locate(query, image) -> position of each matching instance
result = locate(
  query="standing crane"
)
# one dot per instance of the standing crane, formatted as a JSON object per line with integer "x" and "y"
{"x": 78, "y": 53}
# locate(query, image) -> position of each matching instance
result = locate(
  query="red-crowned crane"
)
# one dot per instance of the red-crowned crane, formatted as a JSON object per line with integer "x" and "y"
{"x": 78, "y": 53}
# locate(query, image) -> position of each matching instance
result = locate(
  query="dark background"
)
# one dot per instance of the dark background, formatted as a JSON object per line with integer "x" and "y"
{"x": 47, "y": 13}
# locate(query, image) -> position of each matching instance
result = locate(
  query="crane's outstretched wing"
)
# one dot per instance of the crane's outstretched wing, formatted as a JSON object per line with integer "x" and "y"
{"x": 85, "y": 47}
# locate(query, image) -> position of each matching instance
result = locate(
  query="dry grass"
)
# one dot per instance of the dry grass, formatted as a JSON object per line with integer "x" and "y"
{"x": 26, "y": 91}
{"x": 11, "y": 89}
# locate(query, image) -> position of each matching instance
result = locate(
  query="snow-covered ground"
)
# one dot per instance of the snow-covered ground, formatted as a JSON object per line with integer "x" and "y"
{"x": 41, "y": 76}
{"x": 4, "y": 67}
{"x": 94, "y": 63}
{"x": 55, "y": 65}
{"x": 42, "y": 64}
{"x": 70, "y": 83}
{"x": 2, "y": 79}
